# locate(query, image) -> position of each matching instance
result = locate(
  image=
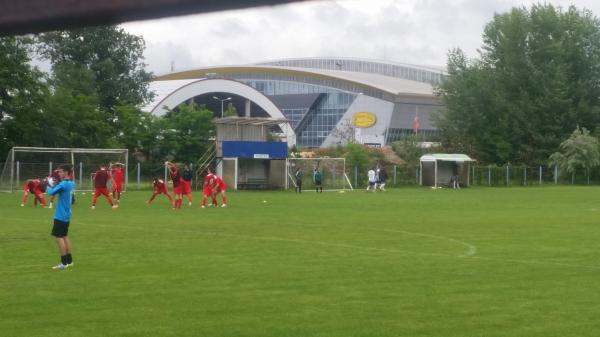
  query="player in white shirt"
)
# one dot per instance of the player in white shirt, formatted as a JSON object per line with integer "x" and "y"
{"x": 372, "y": 180}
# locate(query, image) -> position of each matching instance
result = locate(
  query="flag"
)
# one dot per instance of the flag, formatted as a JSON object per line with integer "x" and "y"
{"x": 416, "y": 123}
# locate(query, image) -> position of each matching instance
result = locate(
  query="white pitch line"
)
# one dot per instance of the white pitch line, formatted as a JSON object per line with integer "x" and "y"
{"x": 471, "y": 249}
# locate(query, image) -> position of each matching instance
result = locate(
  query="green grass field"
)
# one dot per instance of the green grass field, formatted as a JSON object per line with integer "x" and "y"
{"x": 409, "y": 262}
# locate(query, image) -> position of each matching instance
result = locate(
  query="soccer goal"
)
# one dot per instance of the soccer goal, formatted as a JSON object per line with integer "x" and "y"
{"x": 333, "y": 171}
{"x": 24, "y": 163}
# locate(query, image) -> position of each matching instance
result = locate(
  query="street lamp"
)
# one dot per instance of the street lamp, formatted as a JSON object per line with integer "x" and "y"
{"x": 222, "y": 100}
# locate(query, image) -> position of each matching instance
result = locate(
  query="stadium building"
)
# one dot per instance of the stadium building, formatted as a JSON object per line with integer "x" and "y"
{"x": 327, "y": 101}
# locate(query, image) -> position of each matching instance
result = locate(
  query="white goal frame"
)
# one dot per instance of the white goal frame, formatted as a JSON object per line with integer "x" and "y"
{"x": 311, "y": 163}
{"x": 10, "y": 175}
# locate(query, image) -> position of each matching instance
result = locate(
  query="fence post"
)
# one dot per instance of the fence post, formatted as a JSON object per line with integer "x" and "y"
{"x": 395, "y": 171}
{"x": 194, "y": 176}
{"x": 489, "y": 176}
{"x": 525, "y": 176}
{"x": 417, "y": 175}
{"x": 540, "y": 174}
{"x": 81, "y": 180}
{"x": 587, "y": 170}
{"x": 507, "y": 175}
{"x": 166, "y": 172}
{"x": 555, "y": 174}
{"x": 473, "y": 175}
{"x": 355, "y": 176}
{"x": 50, "y": 168}
{"x": 573, "y": 178}
{"x": 138, "y": 175}
{"x": 18, "y": 173}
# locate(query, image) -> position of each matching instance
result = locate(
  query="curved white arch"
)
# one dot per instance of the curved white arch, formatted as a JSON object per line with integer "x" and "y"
{"x": 203, "y": 86}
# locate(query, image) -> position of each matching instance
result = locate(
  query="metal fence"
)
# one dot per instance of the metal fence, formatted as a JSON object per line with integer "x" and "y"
{"x": 495, "y": 176}
{"x": 141, "y": 175}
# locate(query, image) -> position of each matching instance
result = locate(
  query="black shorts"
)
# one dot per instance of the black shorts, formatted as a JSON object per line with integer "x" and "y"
{"x": 60, "y": 228}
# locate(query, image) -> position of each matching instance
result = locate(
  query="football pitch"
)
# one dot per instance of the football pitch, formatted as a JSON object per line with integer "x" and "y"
{"x": 408, "y": 262}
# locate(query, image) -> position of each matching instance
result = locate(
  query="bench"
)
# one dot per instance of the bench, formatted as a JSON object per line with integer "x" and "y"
{"x": 254, "y": 184}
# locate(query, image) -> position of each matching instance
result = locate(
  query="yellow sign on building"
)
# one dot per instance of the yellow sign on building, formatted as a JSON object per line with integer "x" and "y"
{"x": 363, "y": 119}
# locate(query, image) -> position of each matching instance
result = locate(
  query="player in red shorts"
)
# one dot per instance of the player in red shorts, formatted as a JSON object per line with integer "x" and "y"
{"x": 118, "y": 176}
{"x": 176, "y": 180}
{"x": 160, "y": 187}
{"x": 36, "y": 187}
{"x": 220, "y": 187}
{"x": 101, "y": 178}
{"x": 207, "y": 189}
{"x": 186, "y": 184}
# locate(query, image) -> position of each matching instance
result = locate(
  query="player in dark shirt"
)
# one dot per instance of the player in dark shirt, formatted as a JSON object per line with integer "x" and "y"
{"x": 101, "y": 178}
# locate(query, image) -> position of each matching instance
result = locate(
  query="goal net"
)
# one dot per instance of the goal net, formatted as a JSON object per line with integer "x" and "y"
{"x": 24, "y": 163}
{"x": 333, "y": 172}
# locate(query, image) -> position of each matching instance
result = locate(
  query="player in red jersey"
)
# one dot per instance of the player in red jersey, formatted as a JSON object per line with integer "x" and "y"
{"x": 160, "y": 187}
{"x": 36, "y": 187}
{"x": 220, "y": 187}
{"x": 207, "y": 189}
{"x": 186, "y": 184}
{"x": 101, "y": 178}
{"x": 176, "y": 180}
{"x": 118, "y": 176}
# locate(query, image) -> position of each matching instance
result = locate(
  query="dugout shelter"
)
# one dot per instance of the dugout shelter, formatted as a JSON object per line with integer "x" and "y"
{"x": 439, "y": 169}
{"x": 251, "y": 152}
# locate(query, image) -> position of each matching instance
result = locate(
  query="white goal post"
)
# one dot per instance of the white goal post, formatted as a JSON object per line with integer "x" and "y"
{"x": 333, "y": 171}
{"x": 24, "y": 163}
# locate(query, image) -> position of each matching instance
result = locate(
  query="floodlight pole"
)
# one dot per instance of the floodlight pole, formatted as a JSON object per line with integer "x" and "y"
{"x": 222, "y": 101}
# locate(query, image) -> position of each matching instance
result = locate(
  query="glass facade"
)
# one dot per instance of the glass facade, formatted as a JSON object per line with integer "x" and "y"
{"x": 312, "y": 124}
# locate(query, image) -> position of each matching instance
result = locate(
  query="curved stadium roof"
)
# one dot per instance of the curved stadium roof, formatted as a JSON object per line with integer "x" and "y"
{"x": 389, "y": 79}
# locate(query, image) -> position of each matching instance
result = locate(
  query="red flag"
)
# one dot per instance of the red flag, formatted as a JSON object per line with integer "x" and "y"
{"x": 416, "y": 123}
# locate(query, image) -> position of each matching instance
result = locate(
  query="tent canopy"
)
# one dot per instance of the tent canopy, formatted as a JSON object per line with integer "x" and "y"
{"x": 455, "y": 157}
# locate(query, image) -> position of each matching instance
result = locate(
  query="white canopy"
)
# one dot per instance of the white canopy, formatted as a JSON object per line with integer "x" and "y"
{"x": 456, "y": 157}
{"x": 443, "y": 167}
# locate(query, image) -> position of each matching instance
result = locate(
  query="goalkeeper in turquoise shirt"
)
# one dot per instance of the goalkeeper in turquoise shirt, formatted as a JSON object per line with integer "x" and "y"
{"x": 62, "y": 214}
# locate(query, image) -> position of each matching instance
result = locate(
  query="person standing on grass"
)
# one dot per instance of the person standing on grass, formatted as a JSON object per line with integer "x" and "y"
{"x": 186, "y": 183}
{"x": 176, "y": 180}
{"x": 318, "y": 180}
{"x": 101, "y": 178}
{"x": 372, "y": 180}
{"x": 207, "y": 188}
{"x": 298, "y": 176}
{"x": 160, "y": 187}
{"x": 62, "y": 215}
{"x": 382, "y": 178}
{"x": 116, "y": 171}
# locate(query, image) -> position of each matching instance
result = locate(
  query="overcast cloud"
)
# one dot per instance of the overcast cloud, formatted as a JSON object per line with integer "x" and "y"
{"x": 408, "y": 31}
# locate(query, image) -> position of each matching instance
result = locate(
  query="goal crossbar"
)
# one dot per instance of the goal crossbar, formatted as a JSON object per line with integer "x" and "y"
{"x": 35, "y": 162}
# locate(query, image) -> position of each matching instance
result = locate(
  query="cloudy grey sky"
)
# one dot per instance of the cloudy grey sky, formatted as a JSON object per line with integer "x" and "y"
{"x": 408, "y": 31}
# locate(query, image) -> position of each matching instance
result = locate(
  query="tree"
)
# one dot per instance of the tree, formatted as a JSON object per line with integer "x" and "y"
{"x": 231, "y": 110}
{"x": 408, "y": 149}
{"x": 22, "y": 92}
{"x": 580, "y": 151}
{"x": 113, "y": 57}
{"x": 535, "y": 80}
{"x": 182, "y": 134}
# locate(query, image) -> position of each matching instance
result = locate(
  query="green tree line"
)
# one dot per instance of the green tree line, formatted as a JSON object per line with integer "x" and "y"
{"x": 91, "y": 98}
{"x": 535, "y": 81}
